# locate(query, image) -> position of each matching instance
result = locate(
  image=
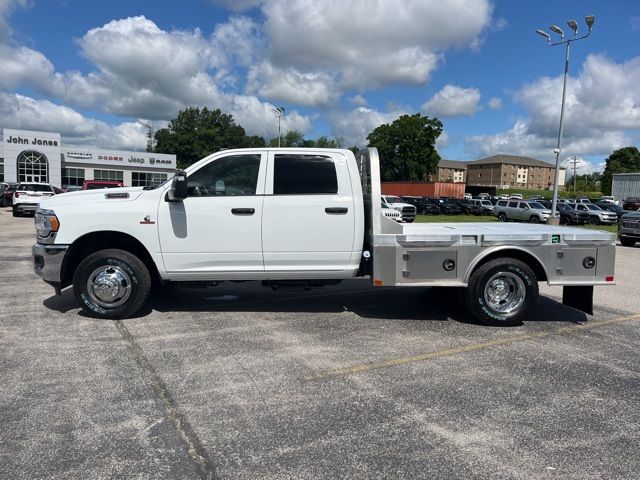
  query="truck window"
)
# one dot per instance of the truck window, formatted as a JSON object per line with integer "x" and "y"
{"x": 513, "y": 204}
{"x": 304, "y": 175}
{"x": 228, "y": 176}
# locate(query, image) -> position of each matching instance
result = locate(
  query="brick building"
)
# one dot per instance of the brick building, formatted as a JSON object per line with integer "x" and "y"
{"x": 511, "y": 171}
{"x": 450, "y": 171}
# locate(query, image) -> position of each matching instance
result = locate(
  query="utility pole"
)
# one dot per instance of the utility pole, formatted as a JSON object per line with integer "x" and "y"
{"x": 150, "y": 141}
{"x": 574, "y": 161}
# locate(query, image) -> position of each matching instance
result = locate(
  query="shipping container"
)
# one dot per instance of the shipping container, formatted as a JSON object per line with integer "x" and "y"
{"x": 424, "y": 189}
{"x": 625, "y": 185}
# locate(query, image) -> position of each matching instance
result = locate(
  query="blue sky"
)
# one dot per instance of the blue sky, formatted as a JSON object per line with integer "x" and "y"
{"x": 96, "y": 71}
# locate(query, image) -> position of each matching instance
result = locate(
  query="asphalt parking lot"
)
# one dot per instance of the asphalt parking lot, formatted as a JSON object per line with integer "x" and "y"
{"x": 238, "y": 381}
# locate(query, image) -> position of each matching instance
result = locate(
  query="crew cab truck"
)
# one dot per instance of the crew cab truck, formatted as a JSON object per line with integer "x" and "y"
{"x": 298, "y": 218}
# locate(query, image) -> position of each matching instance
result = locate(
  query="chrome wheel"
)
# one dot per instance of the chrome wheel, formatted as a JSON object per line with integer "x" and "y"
{"x": 109, "y": 286}
{"x": 504, "y": 292}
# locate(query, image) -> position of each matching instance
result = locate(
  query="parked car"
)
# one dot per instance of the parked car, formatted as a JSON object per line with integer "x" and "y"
{"x": 484, "y": 195}
{"x": 521, "y": 210}
{"x": 97, "y": 184}
{"x": 72, "y": 188}
{"x": 408, "y": 211}
{"x": 469, "y": 207}
{"x": 423, "y": 205}
{"x": 468, "y": 196}
{"x": 28, "y": 195}
{"x": 608, "y": 199}
{"x": 631, "y": 203}
{"x": 7, "y": 195}
{"x": 612, "y": 207}
{"x": 597, "y": 215}
{"x": 629, "y": 229}
{"x": 517, "y": 196}
{"x": 571, "y": 216}
{"x": 391, "y": 213}
{"x": 449, "y": 206}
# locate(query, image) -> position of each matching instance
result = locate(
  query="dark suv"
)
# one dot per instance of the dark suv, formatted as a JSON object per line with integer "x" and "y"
{"x": 449, "y": 206}
{"x": 571, "y": 216}
{"x": 631, "y": 203}
{"x": 423, "y": 205}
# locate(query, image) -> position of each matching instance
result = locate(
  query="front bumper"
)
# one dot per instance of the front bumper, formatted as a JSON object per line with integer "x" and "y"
{"x": 48, "y": 261}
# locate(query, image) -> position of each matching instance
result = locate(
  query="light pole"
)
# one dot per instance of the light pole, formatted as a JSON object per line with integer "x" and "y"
{"x": 279, "y": 113}
{"x": 574, "y": 162}
{"x": 573, "y": 25}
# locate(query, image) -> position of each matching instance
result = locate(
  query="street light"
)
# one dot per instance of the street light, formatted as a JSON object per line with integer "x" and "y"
{"x": 279, "y": 113}
{"x": 573, "y": 25}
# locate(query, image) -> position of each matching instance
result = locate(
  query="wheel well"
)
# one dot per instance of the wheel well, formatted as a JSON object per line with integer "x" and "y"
{"x": 95, "y": 241}
{"x": 532, "y": 262}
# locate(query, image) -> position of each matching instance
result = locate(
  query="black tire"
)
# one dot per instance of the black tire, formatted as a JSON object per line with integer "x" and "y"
{"x": 525, "y": 286}
{"x": 534, "y": 219}
{"x": 564, "y": 221}
{"x": 593, "y": 220}
{"x": 126, "y": 267}
{"x": 425, "y": 211}
{"x": 627, "y": 242}
{"x": 502, "y": 217}
{"x": 15, "y": 212}
{"x": 410, "y": 220}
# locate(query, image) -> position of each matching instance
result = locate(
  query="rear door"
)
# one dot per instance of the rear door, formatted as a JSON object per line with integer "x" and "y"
{"x": 308, "y": 219}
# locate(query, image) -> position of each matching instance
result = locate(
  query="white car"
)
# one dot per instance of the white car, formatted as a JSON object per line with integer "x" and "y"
{"x": 28, "y": 195}
{"x": 408, "y": 211}
{"x": 516, "y": 196}
{"x": 391, "y": 213}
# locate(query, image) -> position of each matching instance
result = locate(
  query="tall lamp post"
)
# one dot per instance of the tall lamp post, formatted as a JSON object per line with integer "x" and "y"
{"x": 279, "y": 113}
{"x": 573, "y": 25}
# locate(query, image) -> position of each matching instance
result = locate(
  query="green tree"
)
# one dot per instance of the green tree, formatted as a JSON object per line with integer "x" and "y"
{"x": 623, "y": 160}
{"x": 295, "y": 138}
{"x": 196, "y": 133}
{"x": 407, "y": 147}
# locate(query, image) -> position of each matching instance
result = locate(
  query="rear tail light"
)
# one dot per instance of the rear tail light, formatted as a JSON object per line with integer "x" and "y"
{"x": 17, "y": 194}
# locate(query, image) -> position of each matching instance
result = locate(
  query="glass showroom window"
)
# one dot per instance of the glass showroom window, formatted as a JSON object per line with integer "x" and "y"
{"x": 1, "y": 170}
{"x": 107, "y": 175}
{"x": 143, "y": 179}
{"x": 72, "y": 176}
{"x": 33, "y": 167}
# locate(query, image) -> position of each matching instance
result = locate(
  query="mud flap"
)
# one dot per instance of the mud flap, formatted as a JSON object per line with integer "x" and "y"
{"x": 580, "y": 298}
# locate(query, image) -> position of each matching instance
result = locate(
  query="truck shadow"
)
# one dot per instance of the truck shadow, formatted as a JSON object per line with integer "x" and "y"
{"x": 427, "y": 304}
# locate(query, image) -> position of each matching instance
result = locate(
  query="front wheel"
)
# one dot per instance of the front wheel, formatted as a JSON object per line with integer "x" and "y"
{"x": 502, "y": 292}
{"x": 502, "y": 217}
{"x": 15, "y": 212}
{"x": 534, "y": 219}
{"x": 111, "y": 284}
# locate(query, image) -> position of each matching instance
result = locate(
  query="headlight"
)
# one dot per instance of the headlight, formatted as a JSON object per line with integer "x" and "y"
{"x": 46, "y": 222}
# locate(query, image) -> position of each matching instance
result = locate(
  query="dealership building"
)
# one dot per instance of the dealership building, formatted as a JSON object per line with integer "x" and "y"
{"x": 27, "y": 156}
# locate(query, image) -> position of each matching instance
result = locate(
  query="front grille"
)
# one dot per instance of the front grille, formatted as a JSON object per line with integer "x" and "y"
{"x": 628, "y": 224}
{"x": 408, "y": 209}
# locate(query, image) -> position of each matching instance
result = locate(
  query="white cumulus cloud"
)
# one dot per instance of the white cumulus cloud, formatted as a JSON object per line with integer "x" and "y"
{"x": 452, "y": 101}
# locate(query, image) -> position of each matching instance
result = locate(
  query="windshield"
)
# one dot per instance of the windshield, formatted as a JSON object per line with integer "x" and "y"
{"x": 394, "y": 200}
{"x": 486, "y": 202}
{"x": 593, "y": 207}
{"x": 34, "y": 187}
{"x": 537, "y": 205}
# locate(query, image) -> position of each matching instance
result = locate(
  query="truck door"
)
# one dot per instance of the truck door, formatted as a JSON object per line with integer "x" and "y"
{"x": 217, "y": 228}
{"x": 308, "y": 217}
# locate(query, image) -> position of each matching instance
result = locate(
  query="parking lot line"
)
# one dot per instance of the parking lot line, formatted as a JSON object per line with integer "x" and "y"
{"x": 395, "y": 362}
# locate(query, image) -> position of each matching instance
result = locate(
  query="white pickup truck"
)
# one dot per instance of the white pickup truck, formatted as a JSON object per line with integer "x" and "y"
{"x": 298, "y": 218}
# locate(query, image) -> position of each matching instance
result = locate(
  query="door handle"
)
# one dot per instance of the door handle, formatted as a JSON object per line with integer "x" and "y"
{"x": 336, "y": 210}
{"x": 243, "y": 211}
